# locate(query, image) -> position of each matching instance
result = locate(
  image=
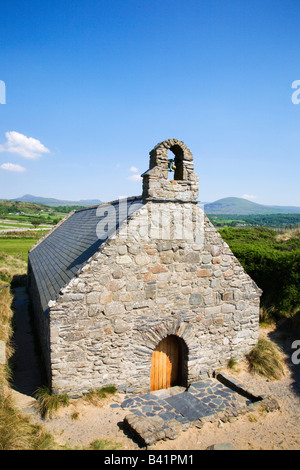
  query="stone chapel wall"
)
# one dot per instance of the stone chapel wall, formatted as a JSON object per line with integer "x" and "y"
{"x": 146, "y": 283}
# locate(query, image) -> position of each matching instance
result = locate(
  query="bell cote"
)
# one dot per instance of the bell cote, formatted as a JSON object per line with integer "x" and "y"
{"x": 184, "y": 185}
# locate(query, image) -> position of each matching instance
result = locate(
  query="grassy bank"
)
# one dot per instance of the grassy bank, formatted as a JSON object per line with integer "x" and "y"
{"x": 17, "y": 247}
{"x": 16, "y": 431}
{"x": 273, "y": 261}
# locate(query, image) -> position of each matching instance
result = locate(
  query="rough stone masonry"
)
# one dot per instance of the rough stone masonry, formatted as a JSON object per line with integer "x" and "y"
{"x": 164, "y": 270}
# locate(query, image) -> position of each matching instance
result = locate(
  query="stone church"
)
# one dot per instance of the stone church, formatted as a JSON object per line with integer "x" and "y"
{"x": 141, "y": 293}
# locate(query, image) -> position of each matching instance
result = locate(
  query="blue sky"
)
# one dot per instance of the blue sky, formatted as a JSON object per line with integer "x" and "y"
{"x": 93, "y": 86}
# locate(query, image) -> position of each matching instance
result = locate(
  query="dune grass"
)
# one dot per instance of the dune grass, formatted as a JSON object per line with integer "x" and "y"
{"x": 10, "y": 266}
{"x": 265, "y": 359}
{"x": 96, "y": 395}
{"x": 48, "y": 403}
{"x": 16, "y": 431}
{"x": 104, "y": 444}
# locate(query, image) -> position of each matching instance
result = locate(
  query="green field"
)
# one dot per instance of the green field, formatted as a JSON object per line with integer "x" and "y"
{"x": 283, "y": 221}
{"x": 6, "y": 226}
{"x": 32, "y": 214}
{"x": 17, "y": 246}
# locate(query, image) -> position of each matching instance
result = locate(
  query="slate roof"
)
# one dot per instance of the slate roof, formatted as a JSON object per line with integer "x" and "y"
{"x": 56, "y": 259}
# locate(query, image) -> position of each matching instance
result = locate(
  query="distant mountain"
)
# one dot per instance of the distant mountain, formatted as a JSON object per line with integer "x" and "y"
{"x": 228, "y": 205}
{"x": 240, "y": 206}
{"x": 8, "y": 206}
{"x": 57, "y": 202}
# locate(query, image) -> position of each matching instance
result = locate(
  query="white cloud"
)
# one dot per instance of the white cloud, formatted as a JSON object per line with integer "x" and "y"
{"x": 134, "y": 178}
{"x": 248, "y": 196}
{"x": 133, "y": 169}
{"x": 12, "y": 167}
{"x": 27, "y": 147}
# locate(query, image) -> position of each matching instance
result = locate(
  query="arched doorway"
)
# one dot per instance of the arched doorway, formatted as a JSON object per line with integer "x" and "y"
{"x": 168, "y": 363}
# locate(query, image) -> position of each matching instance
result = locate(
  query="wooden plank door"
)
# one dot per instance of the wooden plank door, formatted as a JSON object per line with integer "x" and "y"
{"x": 165, "y": 364}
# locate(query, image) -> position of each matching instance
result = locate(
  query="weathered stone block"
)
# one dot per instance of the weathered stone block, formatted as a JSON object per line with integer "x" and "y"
{"x": 149, "y": 277}
{"x": 228, "y": 273}
{"x": 142, "y": 259}
{"x": 164, "y": 246}
{"x": 74, "y": 335}
{"x": 93, "y": 298}
{"x": 114, "y": 308}
{"x": 206, "y": 259}
{"x": 166, "y": 257}
{"x": 227, "y": 296}
{"x": 105, "y": 297}
{"x": 134, "y": 249}
{"x": 227, "y": 308}
{"x": 124, "y": 259}
{"x": 122, "y": 249}
{"x": 216, "y": 250}
{"x": 196, "y": 299}
{"x": 120, "y": 326}
{"x": 192, "y": 257}
{"x": 204, "y": 273}
{"x": 150, "y": 291}
{"x": 116, "y": 284}
{"x": 73, "y": 297}
{"x": 117, "y": 274}
{"x": 95, "y": 310}
{"x": 158, "y": 269}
